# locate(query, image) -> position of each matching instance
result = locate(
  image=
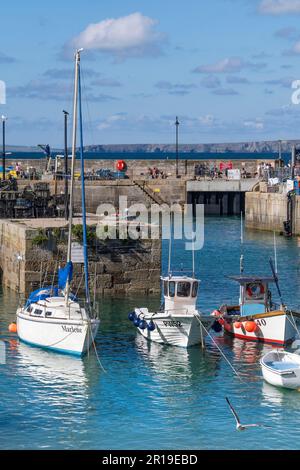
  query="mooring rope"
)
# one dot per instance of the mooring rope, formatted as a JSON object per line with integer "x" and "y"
{"x": 293, "y": 323}
{"x": 220, "y": 350}
{"x": 95, "y": 348}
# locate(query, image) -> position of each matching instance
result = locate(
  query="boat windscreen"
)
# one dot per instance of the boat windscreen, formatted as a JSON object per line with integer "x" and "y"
{"x": 183, "y": 289}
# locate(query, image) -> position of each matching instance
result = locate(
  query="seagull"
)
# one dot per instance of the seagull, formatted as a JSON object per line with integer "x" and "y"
{"x": 239, "y": 426}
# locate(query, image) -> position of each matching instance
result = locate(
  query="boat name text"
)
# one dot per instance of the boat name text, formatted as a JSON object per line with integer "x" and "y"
{"x": 71, "y": 329}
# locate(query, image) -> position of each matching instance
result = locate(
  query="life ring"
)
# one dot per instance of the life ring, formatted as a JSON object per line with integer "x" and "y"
{"x": 121, "y": 165}
{"x": 255, "y": 290}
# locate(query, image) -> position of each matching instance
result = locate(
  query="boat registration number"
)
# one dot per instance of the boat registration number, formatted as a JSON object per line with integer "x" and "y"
{"x": 177, "y": 324}
{"x": 261, "y": 322}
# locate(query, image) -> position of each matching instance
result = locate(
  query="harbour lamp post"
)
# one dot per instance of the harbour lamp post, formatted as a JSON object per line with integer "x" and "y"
{"x": 177, "y": 126}
{"x": 3, "y": 146}
{"x": 66, "y": 114}
{"x": 279, "y": 149}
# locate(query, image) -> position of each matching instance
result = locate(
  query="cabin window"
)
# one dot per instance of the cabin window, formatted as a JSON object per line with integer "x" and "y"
{"x": 183, "y": 289}
{"x": 29, "y": 309}
{"x": 38, "y": 311}
{"x": 195, "y": 289}
{"x": 172, "y": 289}
{"x": 166, "y": 288}
{"x": 48, "y": 314}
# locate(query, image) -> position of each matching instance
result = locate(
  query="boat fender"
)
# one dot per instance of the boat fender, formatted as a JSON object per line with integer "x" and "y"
{"x": 216, "y": 326}
{"x": 237, "y": 325}
{"x": 216, "y": 313}
{"x": 136, "y": 322}
{"x": 250, "y": 326}
{"x": 12, "y": 328}
{"x": 151, "y": 326}
{"x": 221, "y": 321}
{"x": 131, "y": 316}
{"x": 143, "y": 324}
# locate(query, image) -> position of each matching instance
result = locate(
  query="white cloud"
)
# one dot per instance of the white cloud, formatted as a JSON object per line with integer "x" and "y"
{"x": 285, "y": 82}
{"x": 295, "y": 50}
{"x": 254, "y": 124}
{"x": 132, "y": 35}
{"x": 229, "y": 65}
{"x": 279, "y": 7}
{"x": 110, "y": 121}
{"x": 210, "y": 81}
{"x": 207, "y": 120}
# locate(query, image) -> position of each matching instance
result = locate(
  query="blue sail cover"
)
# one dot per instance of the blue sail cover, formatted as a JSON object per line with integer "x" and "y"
{"x": 41, "y": 294}
{"x": 65, "y": 274}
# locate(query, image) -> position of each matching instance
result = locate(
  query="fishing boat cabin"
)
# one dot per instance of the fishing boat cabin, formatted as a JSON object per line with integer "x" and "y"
{"x": 255, "y": 296}
{"x": 180, "y": 293}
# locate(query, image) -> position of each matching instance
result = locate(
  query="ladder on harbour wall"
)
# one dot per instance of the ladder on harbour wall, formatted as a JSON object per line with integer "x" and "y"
{"x": 148, "y": 191}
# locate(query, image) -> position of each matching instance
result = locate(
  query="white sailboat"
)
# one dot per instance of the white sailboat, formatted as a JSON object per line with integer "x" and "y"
{"x": 52, "y": 317}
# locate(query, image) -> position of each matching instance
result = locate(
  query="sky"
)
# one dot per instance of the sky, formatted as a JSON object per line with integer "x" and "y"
{"x": 224, "y": 67}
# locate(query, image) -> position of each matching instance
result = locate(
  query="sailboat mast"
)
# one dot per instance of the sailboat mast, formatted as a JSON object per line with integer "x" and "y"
{"x": 84, "y": 228}
{"x": 74, "y": 133}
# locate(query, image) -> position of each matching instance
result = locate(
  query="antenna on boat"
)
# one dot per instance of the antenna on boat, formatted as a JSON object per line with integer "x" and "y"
{"x": 170, "y": 247}
{"x": 242, "y": 245}
{"x": 276, "y": 280}
{"x": 193, "y": 252}
{"x": 275, "y": 254}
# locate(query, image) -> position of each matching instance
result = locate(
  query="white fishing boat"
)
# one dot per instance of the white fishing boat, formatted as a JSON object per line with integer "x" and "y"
{"x": 281, "y": 368}
{"x": 179, "y": 323}
{"x": 53, "y": 317}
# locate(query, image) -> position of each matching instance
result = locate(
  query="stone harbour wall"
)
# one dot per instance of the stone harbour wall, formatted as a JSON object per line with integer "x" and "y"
{"x": 115, "y": 266}
{"x": 268, "y": 211}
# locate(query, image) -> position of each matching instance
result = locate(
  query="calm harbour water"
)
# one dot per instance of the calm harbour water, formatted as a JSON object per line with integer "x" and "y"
{"x": 155, "y": 397}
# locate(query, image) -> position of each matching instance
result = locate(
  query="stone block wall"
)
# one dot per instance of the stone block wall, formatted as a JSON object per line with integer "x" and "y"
{"x": 116, "y": 267}
{"x": 268, "y": 211}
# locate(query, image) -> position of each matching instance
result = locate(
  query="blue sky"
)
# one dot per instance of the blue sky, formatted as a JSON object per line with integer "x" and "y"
{"x": 225, "y": 67}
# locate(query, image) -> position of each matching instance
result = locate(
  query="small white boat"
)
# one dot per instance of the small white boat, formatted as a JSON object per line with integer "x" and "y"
{"x": 179, "y": 323}
{"x": 281, "y": 368}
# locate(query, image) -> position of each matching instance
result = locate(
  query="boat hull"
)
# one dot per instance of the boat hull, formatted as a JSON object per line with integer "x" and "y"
{"x": 183, "y": 331}
{"x": 287, "y": 377}
{"x": 273, "y": 327}
{"x": 65, "y": 336}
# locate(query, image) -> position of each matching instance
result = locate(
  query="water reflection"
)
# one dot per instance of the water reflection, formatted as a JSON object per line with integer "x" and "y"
{"x": 174, "y": 363}
{"x": 280, "y": 397}
{"x": 57, "y": 375}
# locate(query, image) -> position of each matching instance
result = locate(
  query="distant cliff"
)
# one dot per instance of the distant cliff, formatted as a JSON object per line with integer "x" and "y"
{"x": 242, "y": 147}
{"x": 238, "y": 147}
